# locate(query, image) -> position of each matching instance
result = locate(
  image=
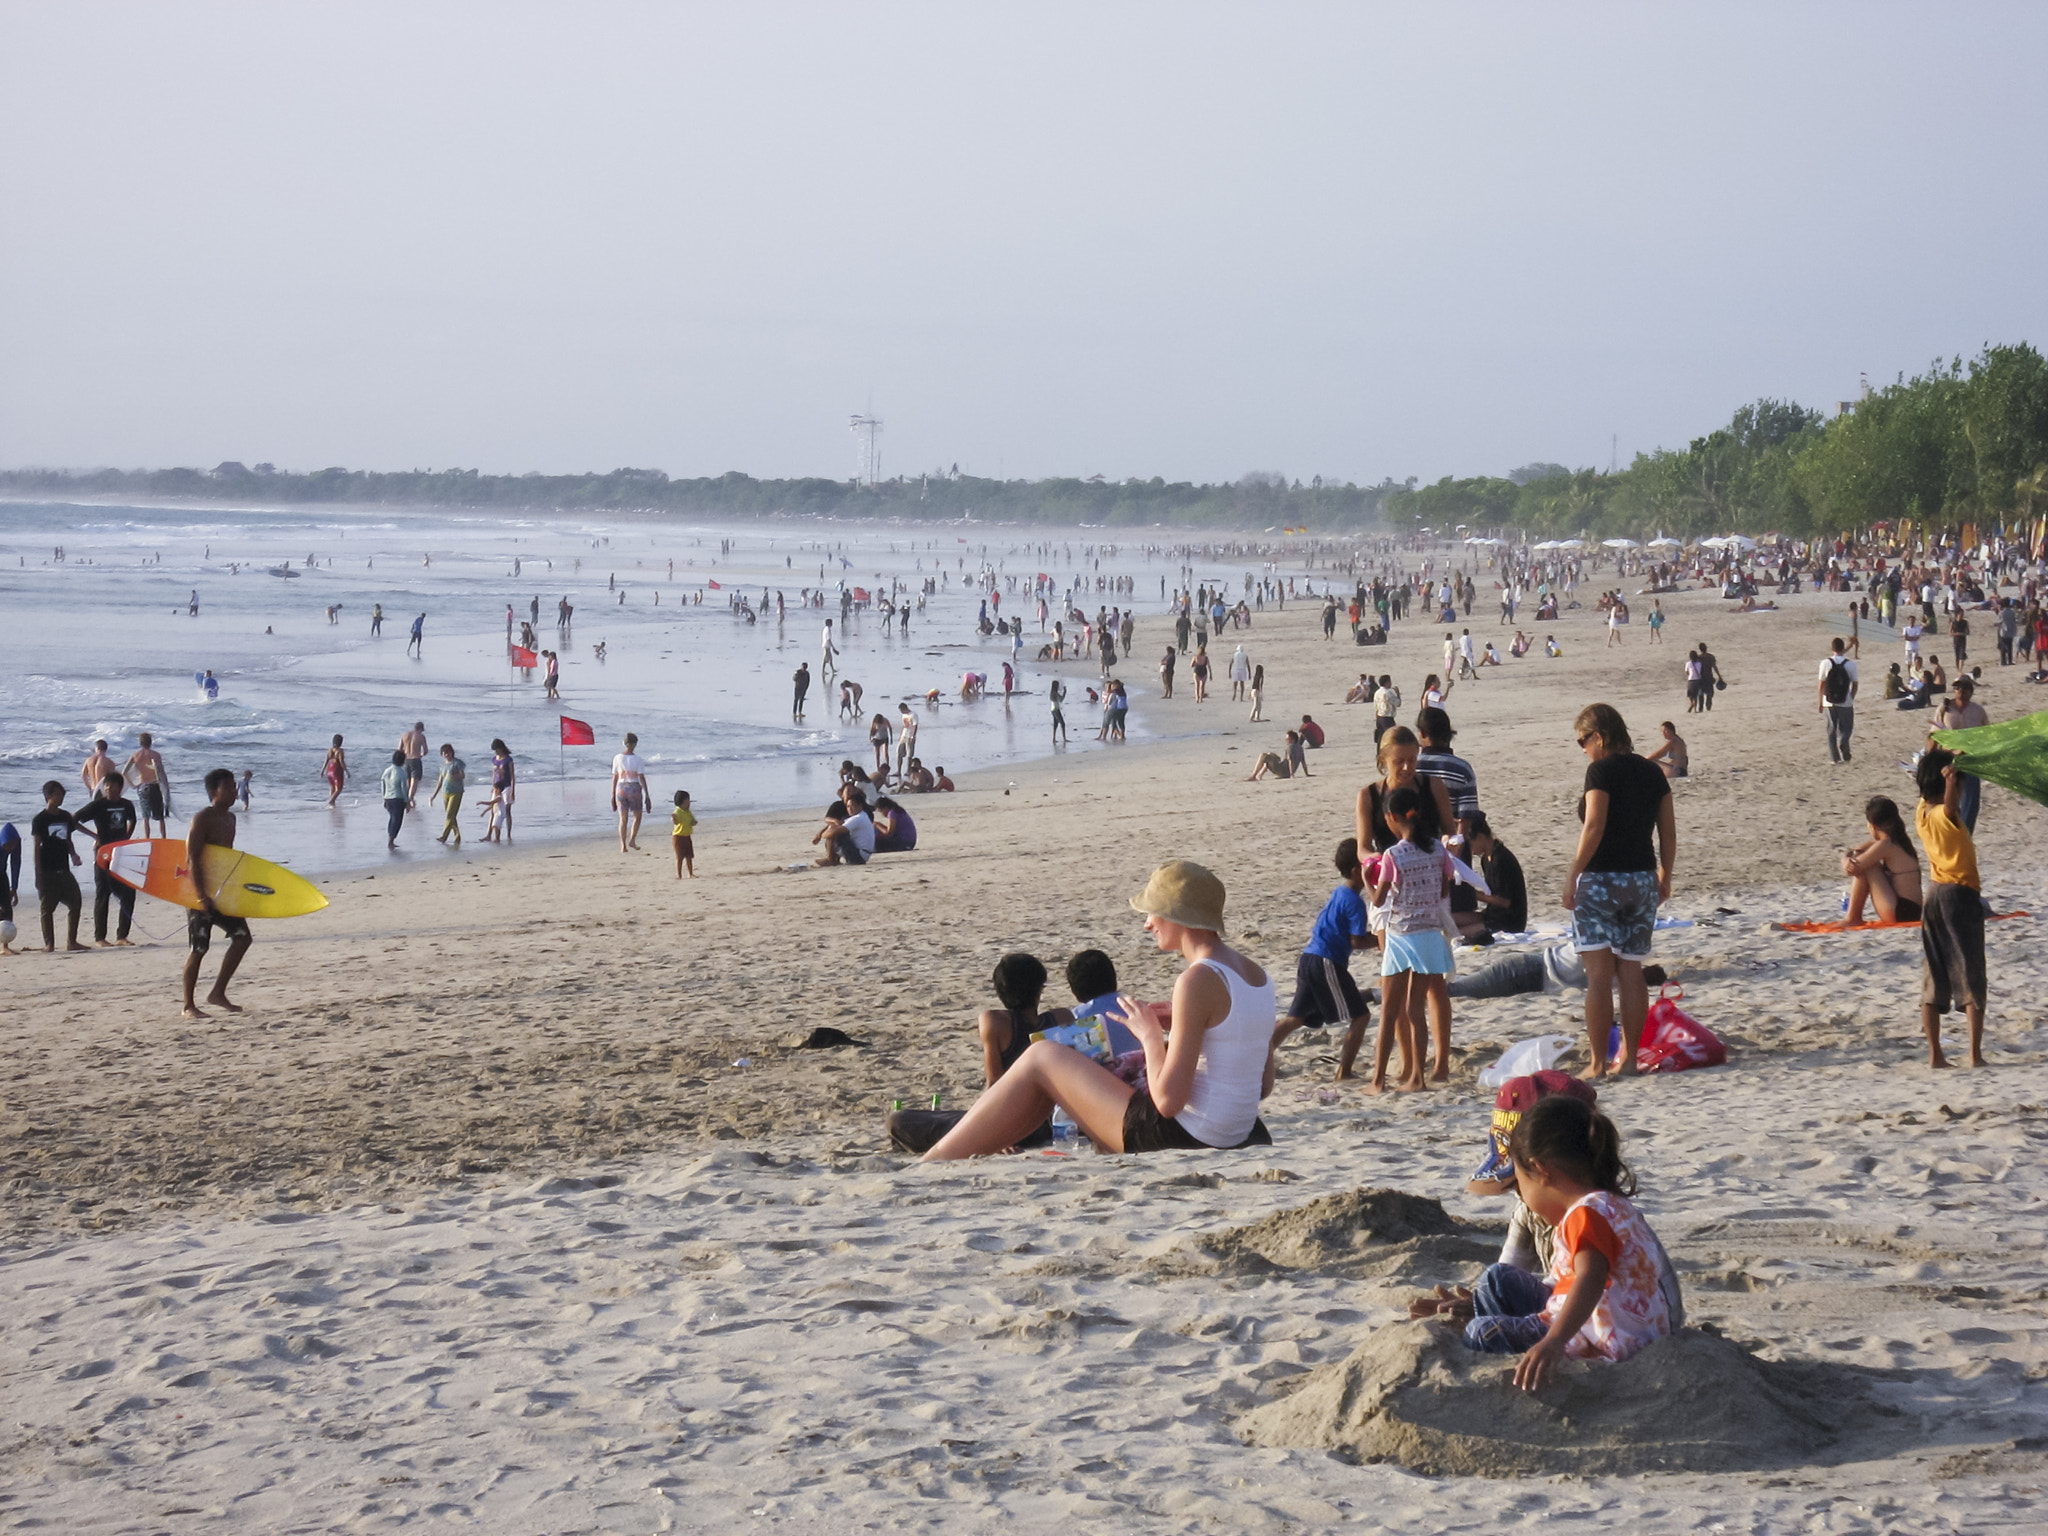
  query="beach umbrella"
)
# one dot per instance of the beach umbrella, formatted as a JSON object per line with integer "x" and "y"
{"x": 1663, "y": 542}
{"x": 1621, "y": 544}
{"x": 2013, "y": 753}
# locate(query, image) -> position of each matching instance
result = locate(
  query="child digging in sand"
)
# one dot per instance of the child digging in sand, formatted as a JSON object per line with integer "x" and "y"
{"x": 1417, "y": 961}
{"x": 1605, "y": 1299}
{"x": 1531, "y": 1245}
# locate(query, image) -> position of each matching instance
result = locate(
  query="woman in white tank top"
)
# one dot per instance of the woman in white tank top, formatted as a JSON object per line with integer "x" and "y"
{"x": 1205, "y": 1073}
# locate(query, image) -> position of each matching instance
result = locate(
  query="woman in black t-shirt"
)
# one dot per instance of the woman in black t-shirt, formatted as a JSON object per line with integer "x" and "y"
{"x": 1617, "y": 878}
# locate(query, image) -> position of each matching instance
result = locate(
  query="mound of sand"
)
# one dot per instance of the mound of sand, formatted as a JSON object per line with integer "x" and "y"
{"x": 1693, "y": 1402}
{"x": 1364, "y": 1231}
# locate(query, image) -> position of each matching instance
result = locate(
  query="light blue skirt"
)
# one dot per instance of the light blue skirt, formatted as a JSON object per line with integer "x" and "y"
{"x": 1427, "y": 954}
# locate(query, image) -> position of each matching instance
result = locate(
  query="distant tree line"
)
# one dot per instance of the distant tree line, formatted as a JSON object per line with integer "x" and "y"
{"x": 1958, "y": 443}
{"x": 1254, "y": 501}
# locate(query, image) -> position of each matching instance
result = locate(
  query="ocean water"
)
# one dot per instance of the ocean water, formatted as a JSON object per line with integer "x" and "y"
{"x": 100, "y": 644}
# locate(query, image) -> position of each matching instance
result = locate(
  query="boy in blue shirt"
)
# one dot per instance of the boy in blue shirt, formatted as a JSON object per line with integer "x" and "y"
{"x": 1092, "y": 976}
{"x": 1324, "y": 992}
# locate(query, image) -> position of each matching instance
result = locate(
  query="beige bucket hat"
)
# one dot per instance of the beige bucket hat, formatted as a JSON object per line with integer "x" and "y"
{"x": 1184, "y": 893}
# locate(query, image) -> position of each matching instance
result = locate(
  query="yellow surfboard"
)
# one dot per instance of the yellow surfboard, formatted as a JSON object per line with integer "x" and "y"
{"x": 240, "y": 884}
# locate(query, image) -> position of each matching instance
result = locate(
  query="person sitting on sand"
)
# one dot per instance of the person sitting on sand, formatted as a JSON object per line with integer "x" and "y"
{"x": 848, "y": 833}
{"x": 1937, "y": 676}
{"x": 920, "y": 780}
{"x": 1206, "y": 1052}
{"x": 1270, "y": 765}
{"x": 895, "y": 832}
{"x": 1885, "y": 871}
{"x": 940, "y": 782}
{"x": 1311, "y": 734}
{"x": 1671, "y": 754}
{"x": 1005, "y": 1031}
{"x": 1894, "y": 685}
{"x": 1603, "y": 1297}
{"x": 1504, "y": 907}
{"x": 1550, "y": 645}
{"x": 1531, "y": 1244}
{"x": 1521, "y": 645}
{"x": 1091, "y": 977}
{"x": 1491, "y": 658}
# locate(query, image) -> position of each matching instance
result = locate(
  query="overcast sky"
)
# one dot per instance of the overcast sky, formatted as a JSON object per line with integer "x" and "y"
{"x": 1178, "y": 239}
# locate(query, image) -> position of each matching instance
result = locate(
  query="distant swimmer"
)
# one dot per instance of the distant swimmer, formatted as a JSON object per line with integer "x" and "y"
{"x": 802, "y": 680}
{"x": 146, "y": 775}
{"x": 213, "y": 827}
{"x": 207, "y": 684}
{"x": 377, "y": 620}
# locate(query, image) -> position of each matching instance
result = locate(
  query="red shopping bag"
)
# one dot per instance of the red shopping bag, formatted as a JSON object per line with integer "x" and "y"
{"x": 1674, "y": 1041}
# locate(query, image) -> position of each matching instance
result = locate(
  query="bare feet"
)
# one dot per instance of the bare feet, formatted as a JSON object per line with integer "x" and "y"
{"x": 124, "y": 943}
{"x": 1939, "y": 1062}
{"x": 219, "y": 1001}
{"x": 193, "y": 1013}
{"x": 1376, "y": 1087}
{"x": 102, "y": 944}
{"x": 1592, "y": 1072}
{"x": 76, "y": 948}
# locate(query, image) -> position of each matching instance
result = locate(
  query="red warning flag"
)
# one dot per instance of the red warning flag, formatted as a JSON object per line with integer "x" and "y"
{"x": 522, "y": 657}
{"x": 714, "y": 586}
{"x": 577, "y": 733}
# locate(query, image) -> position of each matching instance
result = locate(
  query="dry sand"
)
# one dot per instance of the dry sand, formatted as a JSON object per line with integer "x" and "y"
{"x": 475, "y": 1215}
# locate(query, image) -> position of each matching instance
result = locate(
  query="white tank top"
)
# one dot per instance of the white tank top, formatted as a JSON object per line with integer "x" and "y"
{"x": 1224, "y": 1100}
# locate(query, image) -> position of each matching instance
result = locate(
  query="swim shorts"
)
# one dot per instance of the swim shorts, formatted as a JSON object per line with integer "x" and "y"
{"x": 152, "y": 798}
{"x": 1616, "y": 910}
{"x": 629, "y": 796}
{"x": 1324, "y": 993}
{"x": 1952, "y": 943}
{"x": 686, "y": 848}
{"x": 199, "y": 926}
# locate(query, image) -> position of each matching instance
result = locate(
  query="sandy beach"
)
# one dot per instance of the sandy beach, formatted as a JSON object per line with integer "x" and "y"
{"x": 509, "y": 1201}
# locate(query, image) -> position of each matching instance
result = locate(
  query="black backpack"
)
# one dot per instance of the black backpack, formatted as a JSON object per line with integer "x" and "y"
{"x": 1836, "y": 689}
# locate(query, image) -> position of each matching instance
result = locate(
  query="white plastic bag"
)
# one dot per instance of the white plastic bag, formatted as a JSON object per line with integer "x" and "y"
{"x": 1539, "y": 1054}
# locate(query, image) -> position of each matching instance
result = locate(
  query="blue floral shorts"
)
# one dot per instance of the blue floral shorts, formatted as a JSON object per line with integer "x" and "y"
{"x": 1616, "y": 910}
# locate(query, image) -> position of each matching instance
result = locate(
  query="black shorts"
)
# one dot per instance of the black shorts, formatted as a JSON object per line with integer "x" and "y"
{"x": 199, "y": 926}
{"x": 1952, "y": 944}
{"x": 57, "y": 888}
{"x": 1324, "y": 993}
{"x": 1146, "y": 1130}
{"x": 151, "y": 799}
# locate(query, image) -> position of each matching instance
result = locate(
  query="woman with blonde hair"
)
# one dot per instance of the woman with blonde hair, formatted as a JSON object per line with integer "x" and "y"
{"x": 1207, "y": 1052}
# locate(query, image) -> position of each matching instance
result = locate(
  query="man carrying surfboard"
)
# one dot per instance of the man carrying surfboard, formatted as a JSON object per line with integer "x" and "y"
{"x": 213, "y": 827}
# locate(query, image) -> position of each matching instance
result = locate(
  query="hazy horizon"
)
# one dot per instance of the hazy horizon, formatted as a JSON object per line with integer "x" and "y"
{"x": 1188, "y": 241}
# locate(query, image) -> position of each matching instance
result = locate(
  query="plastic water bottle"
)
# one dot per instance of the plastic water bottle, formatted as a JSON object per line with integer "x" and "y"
{"x": 1065, "y": 1133}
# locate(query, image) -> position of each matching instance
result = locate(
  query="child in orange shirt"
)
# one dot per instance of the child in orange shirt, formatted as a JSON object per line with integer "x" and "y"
{"x": 1605, "y": 1300}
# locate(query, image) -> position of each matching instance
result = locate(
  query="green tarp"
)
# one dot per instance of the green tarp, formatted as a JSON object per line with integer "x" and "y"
{"x": 2013, "y": 753}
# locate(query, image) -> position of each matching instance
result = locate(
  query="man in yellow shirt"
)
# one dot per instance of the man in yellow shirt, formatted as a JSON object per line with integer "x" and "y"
{"x": 1952, "y": 917}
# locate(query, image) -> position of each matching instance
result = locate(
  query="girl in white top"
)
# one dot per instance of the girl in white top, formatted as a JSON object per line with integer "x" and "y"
{"x": 1208, "y": 1053}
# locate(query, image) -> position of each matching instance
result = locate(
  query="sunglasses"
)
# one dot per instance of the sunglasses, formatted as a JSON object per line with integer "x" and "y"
{"x": 1589, "y": 736}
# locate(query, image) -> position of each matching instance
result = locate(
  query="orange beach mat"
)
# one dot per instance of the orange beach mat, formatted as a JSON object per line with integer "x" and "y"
{"x": 1996, "y": 917}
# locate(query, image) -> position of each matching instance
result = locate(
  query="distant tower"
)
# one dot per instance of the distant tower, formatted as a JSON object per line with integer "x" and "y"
{"x": 865, "y": 430}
